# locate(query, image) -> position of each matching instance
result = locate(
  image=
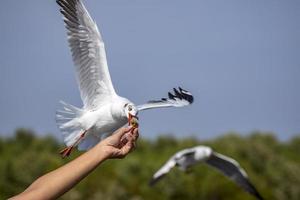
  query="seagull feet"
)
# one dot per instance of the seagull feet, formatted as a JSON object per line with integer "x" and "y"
{"x": 67, "y": 151}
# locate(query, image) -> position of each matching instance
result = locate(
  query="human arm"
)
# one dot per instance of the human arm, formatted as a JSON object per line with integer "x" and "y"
{"x": 55, "y": 183}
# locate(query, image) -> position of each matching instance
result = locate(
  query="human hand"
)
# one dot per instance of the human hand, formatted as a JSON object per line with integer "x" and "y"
{"x": 120, "y": 143}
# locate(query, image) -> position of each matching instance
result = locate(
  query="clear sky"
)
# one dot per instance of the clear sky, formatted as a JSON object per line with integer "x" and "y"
{"x": 240, "y": 59}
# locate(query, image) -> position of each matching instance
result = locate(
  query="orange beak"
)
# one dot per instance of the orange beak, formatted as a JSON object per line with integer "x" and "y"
{"x": 130, "y": 117}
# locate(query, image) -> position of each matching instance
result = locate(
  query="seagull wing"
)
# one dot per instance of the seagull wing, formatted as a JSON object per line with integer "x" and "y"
{"x": 88, "y": 54}
{"x": 172, "y": 162}
{"x": 163, "y": 171}
{"x": 180, "y": 98}
{"x": 230, "y": 168}
{"x": 184, "y": 153}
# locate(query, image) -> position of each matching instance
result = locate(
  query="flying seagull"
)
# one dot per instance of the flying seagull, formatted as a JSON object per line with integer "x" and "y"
{"x": 186, "y": 158}
{"x": 103, "y": 110}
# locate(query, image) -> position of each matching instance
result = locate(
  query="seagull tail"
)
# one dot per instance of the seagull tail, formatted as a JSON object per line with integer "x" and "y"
{"x": 66, "y": 120}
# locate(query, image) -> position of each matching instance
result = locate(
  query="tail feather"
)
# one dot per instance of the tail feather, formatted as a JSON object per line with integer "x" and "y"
{"x": 67, "y": 122}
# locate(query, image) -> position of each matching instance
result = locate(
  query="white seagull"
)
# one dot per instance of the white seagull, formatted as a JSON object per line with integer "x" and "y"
{"x": 186, "y": 158}
{"x": 103, "y": 110}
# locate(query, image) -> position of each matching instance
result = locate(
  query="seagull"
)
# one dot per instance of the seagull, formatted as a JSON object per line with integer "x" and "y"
{"x": 186, "y": 158}
{"x": 103, "y": 110}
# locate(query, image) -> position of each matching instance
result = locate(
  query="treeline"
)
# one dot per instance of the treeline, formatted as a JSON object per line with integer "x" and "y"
{"x": 272, "y": 165}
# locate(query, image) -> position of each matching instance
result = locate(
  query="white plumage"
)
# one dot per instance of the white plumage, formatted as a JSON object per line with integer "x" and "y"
{"x": 186, "y": 158}
{"x": 103, "y": 110}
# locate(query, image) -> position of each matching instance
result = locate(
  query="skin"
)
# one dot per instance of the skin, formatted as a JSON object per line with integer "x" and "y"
{"x": 55, "y": 183}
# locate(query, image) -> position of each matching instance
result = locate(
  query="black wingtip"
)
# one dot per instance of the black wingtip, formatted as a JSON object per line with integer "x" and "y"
{"x": 257, "y": 195}
{"x": 171, "y": 96}
{"x": 251, "y": 189}
{"x": 179, "y": 94}
{"x": 186, "y": 95}
{"x": 152, "y": 182}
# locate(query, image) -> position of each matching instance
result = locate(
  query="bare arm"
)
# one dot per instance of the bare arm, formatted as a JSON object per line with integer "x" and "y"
{"x": 55, "y": 183}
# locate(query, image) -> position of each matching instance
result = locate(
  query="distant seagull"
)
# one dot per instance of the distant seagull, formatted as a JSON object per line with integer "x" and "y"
{"x": 103, "y": 110}
{"x": 189, "y": 157}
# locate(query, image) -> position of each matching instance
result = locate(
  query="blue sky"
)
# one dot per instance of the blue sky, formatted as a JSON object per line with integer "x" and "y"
{"x": 240, "y": 59}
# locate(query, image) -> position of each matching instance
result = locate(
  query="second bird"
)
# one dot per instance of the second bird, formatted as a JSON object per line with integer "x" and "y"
{"x": 187, "y": 158}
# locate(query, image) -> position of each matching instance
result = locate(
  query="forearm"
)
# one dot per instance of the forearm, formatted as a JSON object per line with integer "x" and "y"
{"x": 57, "y": 182}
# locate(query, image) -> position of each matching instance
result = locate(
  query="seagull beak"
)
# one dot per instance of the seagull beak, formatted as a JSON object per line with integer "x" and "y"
{"x": 130, "y": 116}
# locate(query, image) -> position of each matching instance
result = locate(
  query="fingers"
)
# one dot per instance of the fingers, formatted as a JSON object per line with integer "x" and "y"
{"x": 130, "y": 144}
{"x": 135, "y": 134}
{"x": 127, "y": 147}
{"x": 121, "y": 131}
{"x": 124, "y": 139}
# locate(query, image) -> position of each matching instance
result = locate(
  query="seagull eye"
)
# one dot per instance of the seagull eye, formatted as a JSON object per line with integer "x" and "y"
{"x": 130, "y": 108}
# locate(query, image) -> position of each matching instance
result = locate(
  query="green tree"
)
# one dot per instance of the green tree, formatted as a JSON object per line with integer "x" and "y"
{"x": 272, "y": 165}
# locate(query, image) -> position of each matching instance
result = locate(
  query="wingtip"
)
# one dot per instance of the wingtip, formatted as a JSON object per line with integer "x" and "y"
{"x": 191, "y": 99}
{"x": 152, "y": 182}
{"x": 187, "y": 95}
{"x": 170, "y": 95}
{"x": 184, "y": 91}
{"x": 253, "y": 191}
{"x": 257, "y": 195}
{"x": 181, "y": 94}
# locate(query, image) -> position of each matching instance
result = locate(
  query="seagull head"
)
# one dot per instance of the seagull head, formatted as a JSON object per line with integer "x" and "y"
{"x": 131, "y": 111}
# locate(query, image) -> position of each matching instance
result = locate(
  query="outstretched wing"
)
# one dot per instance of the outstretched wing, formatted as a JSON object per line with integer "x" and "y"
{"x": 232, "y": 170}
{"x": 163, "y": 171}
{"x": 172, "y": 162}
{"x": 88, "y": 54}
{"x": 180, "y": 98}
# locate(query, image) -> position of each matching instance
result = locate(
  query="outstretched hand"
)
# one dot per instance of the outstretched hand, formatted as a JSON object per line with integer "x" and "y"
{"x": 54, "y": 184}
{"x": 120, "y": 143}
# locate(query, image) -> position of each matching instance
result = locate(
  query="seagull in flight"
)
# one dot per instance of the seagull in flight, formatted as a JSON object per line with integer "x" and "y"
{"x": 104, "y": 111}
{"x": 186, "y": 158}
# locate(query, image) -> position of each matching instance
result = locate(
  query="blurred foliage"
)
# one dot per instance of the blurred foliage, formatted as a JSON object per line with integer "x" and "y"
{"x": 272, "y": 165}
